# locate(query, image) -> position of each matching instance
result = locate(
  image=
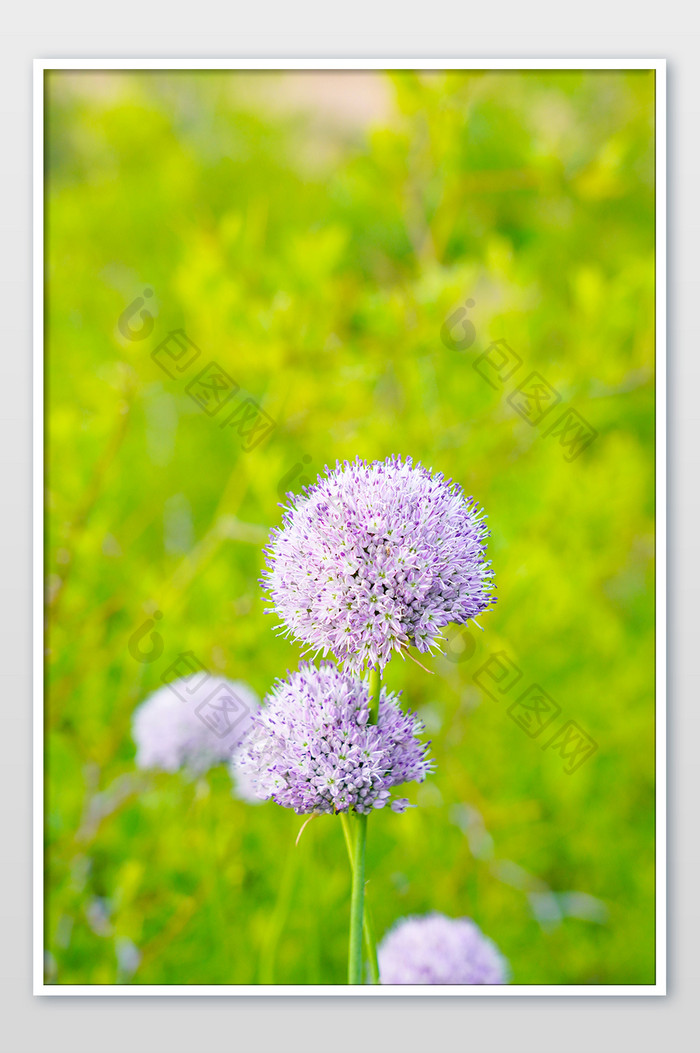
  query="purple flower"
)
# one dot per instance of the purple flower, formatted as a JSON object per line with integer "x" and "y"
{"x": 434, "y": 949}
{"x": 312, "y": 749}
{"x": 375, "y": 557}
{"x": 180, "y": 727}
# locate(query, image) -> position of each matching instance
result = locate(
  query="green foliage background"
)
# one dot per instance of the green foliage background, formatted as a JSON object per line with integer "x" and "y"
{"x": 315, "y": 258}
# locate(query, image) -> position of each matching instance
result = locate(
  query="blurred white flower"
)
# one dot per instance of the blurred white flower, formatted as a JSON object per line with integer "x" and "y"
{"x": 192, "y": 727}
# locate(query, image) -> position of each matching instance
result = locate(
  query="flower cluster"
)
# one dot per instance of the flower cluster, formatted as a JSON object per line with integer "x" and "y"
{"x": 375, "y": 557}
{"x": 312, "y": 748}
{"x": 170, "y": 733}
{"x": 437, "y": 950}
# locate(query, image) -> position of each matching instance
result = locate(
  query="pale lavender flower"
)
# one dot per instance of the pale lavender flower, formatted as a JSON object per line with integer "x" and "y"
{"x": 374, "y": 557}
{"x": 434, "y": 949}
{"x": 196, "y": 728}
{"x": 312, "y": 749}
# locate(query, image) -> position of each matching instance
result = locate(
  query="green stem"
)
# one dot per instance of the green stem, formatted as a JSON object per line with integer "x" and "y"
{"x": 356, "y": 852}
{"x": 357, "y": 900}
{"x": 368, "y": 925}
{"x": 375, "y": 677}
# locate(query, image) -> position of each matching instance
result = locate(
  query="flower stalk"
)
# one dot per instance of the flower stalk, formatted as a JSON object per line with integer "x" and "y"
{"x": 355, "y": 970}
{"x": 374, "y": 689}
{"x": 359, "y": 923}
{"x": 368, "y": 925}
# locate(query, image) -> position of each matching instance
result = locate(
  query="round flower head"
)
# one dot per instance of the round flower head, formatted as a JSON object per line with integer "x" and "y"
{"x": 192, "y": 725}
{"x": 375, "y": 557}
{"x": 437, "y": 950}
{"x": 312, "y": 749}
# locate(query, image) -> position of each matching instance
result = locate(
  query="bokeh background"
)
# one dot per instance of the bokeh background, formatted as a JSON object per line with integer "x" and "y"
{"x": 311, "y": 233}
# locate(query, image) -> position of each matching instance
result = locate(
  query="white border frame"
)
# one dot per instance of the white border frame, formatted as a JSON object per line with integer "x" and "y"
{"x": 512, "y": 990}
